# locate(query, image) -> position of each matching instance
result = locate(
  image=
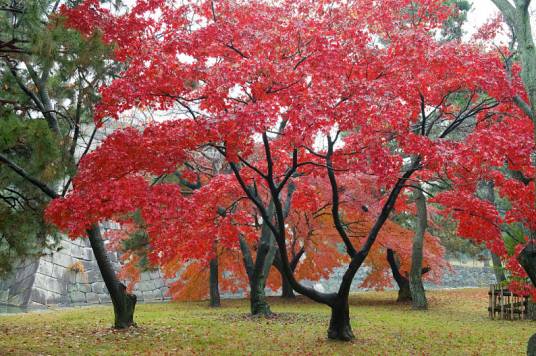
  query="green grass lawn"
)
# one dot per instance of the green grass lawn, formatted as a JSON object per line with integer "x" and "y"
{"x": 456, "y": 324}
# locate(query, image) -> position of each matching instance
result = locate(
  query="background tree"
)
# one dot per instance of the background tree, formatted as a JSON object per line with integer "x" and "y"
{"x": 50, "y": 76}
{"x": 517, "y": 15}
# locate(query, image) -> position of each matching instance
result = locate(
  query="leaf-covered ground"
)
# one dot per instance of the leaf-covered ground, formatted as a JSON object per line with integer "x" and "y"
{"x": 456, "y": 324}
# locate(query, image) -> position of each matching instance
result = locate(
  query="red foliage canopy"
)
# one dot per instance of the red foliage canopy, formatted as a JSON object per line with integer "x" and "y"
{"x": 371, "y": 75}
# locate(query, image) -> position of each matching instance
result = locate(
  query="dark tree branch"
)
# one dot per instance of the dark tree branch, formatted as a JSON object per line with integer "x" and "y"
{"x": 350, "y": 249}
{"x": 36, "y": 182}
{"x": 232, "y": 47}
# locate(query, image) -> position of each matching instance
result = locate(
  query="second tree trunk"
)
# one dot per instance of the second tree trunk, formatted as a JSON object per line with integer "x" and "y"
{"x": 418, "y": 294}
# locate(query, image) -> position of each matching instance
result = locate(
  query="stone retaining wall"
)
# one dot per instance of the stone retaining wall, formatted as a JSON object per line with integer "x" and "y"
{"x": 70, "y": 277}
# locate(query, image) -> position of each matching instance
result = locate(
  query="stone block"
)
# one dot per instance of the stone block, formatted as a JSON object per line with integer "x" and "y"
{"x": 16, "y": 299}
{"x": 54, "y": 298}
{"x": 92, "y": 298}
{"x": 40, "y": 280}
{"x": 22, "y": 289}
{"x": 77, "y": 252}
{"x": 158, "y": 283}
{"x": 104, "y": 298}
{"x": 152, "y": 295}
{"x": 77, "y": 297}
{"x": 84, "y": 287}
{"x": 94, "y": 275}
{"x": 87, "y": 254}
{"x": 4, "y": 295}
{"x": 59, "y": 271}
{"x": 48, "y": 283}
{"x": 98, "y": 287}
{"x": 62, "y": 259}
{"x": 39, "y": 296}
{"x": 56, "y": 285}
{"x": 46, "y": 267}
{"x": 81, "y": 277}
{"x": 69, "y": 277}
{"x": 66, "y": 247}
{"x": 146, "y": 286}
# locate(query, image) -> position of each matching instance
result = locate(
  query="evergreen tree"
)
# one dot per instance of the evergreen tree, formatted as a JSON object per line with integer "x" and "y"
{"x": 48, "y": 79}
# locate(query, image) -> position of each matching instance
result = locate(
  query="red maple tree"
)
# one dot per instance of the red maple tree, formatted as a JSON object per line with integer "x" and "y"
{"x": 362, "y": 89}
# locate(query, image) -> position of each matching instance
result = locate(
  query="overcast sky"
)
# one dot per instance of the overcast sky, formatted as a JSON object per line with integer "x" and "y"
{"x": 481, "y": 11}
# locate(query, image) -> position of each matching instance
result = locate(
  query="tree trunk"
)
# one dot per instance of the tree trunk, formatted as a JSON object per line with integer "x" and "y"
{"x": 265, "y": 256}
{"x": 286, "y": 289}
{"x": 531, "y": 309}
{"x": 404, "y": 292}
{"x": 527, "y": 259}
{"x": 257, "y": 297}
{"x": 259, "y": 305}
{"x": 255, "y": 272}
{"x": 487, "y": 193}
{"x": 497, "y": 268}
{"x": 339, "y": 324}
{"x": 214, "y": 284}
{"x": 124, "y": 303}
{"x": 415, "y": 276}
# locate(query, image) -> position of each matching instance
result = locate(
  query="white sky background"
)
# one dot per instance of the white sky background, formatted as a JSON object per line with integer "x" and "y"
{"x": 482, "y": 11}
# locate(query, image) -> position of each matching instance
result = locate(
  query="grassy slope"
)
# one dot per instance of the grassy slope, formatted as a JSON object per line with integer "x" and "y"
{"x": 456, "y": 324}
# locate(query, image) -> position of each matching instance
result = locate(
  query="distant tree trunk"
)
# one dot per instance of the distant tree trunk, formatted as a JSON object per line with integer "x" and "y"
{"x": 415, "y": 276}
{"x": 487, "y": 193}
{"x": 124, "y": 303}
{"x": 404, "y": 292}
{"x": 286, "y": 289}
{"x": 497, "y": 268}
{"x": 214, "y": 283}
{"x": 517, "y": 15}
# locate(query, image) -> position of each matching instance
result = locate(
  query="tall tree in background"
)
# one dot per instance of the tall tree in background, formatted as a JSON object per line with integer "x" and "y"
{"x": 517, "y": 16}
{"x": 50, "y": 77}
{"x": 26, "y": 140}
